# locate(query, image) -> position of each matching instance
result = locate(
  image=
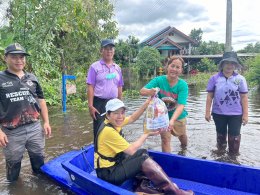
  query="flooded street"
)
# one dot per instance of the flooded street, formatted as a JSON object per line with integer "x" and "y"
{"x": 74, "y": 129}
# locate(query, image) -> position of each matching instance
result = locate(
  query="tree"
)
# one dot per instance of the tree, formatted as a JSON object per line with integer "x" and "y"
{"x": 253, "y": 74}
{"x": 251, "y": 48}
{"x": 126, "y": 51}
{"x": 206, "y": 65}
{"x": 210, "y": 48}
{"x": 61, "y": 35}
{"x": 6, "y": 38}
{"x": 148, "y": 60}
{"x": 196, "y": 34}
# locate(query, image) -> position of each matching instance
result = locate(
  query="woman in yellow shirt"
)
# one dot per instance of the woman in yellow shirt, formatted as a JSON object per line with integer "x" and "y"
{"x": 116, "y": 160}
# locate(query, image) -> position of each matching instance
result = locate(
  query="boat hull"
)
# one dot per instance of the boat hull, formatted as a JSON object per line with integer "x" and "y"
{"x": 75, "y": 171}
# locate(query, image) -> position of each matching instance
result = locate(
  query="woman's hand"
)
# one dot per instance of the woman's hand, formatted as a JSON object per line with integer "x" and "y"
{"x": 154, "y": 91}
{"x": 171, "y": 125}
{"x": 244, "y": 119}
{"x": 208, "y": 117}
{"x": 147, "y": 101}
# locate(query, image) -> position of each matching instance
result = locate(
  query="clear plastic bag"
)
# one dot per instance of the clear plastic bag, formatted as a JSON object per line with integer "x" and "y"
{"x": 156, "y": 116}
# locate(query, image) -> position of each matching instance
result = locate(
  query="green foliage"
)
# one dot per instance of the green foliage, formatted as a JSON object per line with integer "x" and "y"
{"x": 206, "y": 65}
{"x": 210, "y": 48}
{"x": 134, "y": 73}
{"x": 253, "y": 73}
{"x": 203, "y": 47}
{"x": 79, "y": 99}
{"x": 6, "y": 38}
{"x": 126, "y": 51}
{"x": 131, "y": 93}
{"x": 251, "y": 48}
{"x": 53, "y": 91}
{"x": 148, "y": 60}
{"x": 196, "y": 34}
{"x": 198, "y": 79}
{"x": 61, "y": 36}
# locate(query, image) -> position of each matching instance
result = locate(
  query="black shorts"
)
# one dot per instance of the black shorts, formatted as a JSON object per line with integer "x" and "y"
{"x": 126, "y": 169}
{"x": 230, "y": 124}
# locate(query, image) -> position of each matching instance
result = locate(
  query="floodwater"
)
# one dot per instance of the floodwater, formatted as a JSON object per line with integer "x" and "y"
{"x": 73, "y": 130}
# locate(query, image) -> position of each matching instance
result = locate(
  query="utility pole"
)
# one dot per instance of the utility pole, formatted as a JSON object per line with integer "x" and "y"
{"x": 228, "y": 46}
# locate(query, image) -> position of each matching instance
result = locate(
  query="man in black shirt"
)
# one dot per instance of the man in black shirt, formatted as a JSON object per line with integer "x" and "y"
{"x": 21, "y": 105}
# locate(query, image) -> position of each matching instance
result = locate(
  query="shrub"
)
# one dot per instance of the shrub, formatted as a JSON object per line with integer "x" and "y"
{"x": 253, "y": 73}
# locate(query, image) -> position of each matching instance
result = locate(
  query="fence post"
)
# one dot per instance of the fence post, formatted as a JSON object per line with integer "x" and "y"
{"x": 64, "y": 93}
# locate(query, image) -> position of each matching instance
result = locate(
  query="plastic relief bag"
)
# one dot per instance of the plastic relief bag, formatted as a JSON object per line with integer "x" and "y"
{"x": 156, "y": 117}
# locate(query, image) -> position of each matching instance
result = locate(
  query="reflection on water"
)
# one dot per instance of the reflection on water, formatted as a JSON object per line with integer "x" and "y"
{"x": 74, "y": 130}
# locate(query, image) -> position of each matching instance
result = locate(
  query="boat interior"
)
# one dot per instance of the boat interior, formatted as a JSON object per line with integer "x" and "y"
{"x": 201, "y": 176}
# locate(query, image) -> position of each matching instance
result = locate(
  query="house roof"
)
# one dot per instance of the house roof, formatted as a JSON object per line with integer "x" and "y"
{"x": 155, "y": 35}
{"x": 153, "y": 39}
{"x": 167, "y": 39}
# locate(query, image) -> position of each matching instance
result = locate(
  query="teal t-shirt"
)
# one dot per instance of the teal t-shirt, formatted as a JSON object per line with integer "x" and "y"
{"x": 179, "y": 92}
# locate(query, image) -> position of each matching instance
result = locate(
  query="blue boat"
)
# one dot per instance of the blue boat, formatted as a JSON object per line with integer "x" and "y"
{"x": 75, "y": 171}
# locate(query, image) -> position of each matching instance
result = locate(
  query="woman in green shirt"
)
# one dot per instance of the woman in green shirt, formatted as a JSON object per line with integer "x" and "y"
{"x": 174, "y": 92}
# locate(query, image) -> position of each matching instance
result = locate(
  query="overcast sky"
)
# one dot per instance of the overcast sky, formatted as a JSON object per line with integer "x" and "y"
{"x": 142, "y": 18}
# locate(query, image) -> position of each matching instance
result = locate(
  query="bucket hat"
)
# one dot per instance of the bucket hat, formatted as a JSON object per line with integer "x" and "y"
{"x": 229, "y": 57}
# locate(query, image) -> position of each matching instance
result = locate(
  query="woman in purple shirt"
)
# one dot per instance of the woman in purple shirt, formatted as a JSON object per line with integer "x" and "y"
{"x": 228, "y": 92}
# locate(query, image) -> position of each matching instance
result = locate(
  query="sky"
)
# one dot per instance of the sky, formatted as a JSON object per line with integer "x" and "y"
{"x": 142, "y": 18}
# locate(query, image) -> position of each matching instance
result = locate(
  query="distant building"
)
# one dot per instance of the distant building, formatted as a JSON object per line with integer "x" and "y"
{"x": 170, "y": 41}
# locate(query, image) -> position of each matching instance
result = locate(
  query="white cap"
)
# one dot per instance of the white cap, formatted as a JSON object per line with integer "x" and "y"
{"x": 113, "y": 105}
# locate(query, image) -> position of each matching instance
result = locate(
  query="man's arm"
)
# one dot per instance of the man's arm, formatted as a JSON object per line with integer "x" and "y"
{"x": 45, "y": 117}
{"x": 120, "y": 93}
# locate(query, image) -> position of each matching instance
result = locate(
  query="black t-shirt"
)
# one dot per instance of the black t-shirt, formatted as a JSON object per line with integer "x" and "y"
{"x": 19, "y": 99}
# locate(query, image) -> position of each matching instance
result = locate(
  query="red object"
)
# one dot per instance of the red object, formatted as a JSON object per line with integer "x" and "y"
{"x": 194, "y": 72}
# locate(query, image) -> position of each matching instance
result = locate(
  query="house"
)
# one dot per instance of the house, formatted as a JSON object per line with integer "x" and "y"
{"x": 170, "y": 41}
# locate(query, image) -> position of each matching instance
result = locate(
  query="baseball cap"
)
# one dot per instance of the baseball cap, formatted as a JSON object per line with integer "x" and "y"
{"x": 106, "y": 42}
{"x": 15, "y": 48}
{"x": 113, "y": 105}
{"x": 229, "y": 57}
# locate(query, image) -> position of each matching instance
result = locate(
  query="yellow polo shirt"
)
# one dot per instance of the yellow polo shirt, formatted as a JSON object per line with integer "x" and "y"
{"x": 110, "y": 143}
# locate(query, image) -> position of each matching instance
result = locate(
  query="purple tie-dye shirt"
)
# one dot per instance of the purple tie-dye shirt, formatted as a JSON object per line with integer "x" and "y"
{"x": 105, "y": 79}
{"x": 227, "y": 100}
